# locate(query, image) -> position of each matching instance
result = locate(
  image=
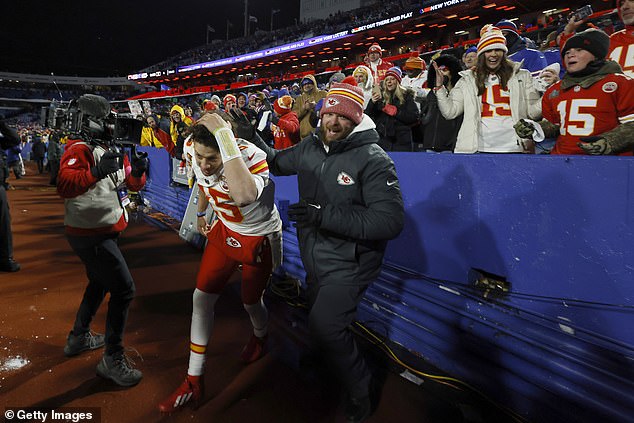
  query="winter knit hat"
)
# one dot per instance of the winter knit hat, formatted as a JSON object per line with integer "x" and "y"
{"x": 593, "y": 40}
{"x": 553, "y": 67}
{"x": 336, "y": 77}
{"x": 471, "y": 49}
{"x": 375, "y": 48}
{"x": 345, "y": 100}
{"x": 209, "y": 106}
{"x": 396, "y": 72}
{"x": 283, "y": 105}
{"x": 216, "y": 99}
{"x": 415, "y": 62}
{"x": 349, "y": 80}
{"x": 361, "y": 70}
{"x": 491, "y": 38}
{"x": 505, "y": 25}
{"x": 228, "y": 98}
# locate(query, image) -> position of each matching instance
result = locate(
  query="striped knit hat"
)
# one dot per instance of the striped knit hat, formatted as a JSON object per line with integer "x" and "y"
{"x": 505, "y": 25}
{"x": 491, "y": 38}
{"x": 283, "y": 105}
{"x": 345, "y": 100}
{"x": 396, "y": 72}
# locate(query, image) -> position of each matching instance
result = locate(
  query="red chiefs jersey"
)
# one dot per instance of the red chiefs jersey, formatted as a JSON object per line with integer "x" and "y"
{"x": 622, "y": 49}
{"x": 586, "y": 112}
{"x": 258, "y": 218}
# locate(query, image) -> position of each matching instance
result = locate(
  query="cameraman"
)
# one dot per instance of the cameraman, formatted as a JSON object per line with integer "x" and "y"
{"x": 8, "y": 138}
{"x": 93, "y": 180}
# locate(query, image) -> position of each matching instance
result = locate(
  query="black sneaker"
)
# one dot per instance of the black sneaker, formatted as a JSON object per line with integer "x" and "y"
{"x": 84, "y": 342}
{"x": 118, "y": 368}
{"x": 358, "y": 409}
{"x": 9, "y": 265}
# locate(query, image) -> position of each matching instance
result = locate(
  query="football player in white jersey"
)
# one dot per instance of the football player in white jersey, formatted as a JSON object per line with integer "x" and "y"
{"x": 233, "y": 177}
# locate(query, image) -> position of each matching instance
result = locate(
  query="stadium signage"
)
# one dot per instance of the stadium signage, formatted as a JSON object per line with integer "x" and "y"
{"x": 268, "y": 52}
{"x": 381, "y": 23}
{"x": 429, "y": 7}
{"x": 440, "y": 5}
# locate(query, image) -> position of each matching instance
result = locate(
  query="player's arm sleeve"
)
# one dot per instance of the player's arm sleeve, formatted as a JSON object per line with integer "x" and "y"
{"x": 282, "y": 162}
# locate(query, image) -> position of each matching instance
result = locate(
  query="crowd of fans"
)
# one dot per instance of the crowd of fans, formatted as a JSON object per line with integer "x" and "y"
{"x": 493, "y": 97}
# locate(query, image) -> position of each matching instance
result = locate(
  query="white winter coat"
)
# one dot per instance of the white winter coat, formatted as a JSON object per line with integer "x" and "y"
{"x": 463, "y": 98}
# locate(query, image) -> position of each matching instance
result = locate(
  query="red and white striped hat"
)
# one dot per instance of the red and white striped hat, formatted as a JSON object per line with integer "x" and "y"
{"x": 345, "y": 100}
{"x": 491, "y": 38}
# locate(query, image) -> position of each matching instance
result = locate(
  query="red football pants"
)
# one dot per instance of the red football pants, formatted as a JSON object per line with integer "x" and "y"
{"x": 226, "y": 250}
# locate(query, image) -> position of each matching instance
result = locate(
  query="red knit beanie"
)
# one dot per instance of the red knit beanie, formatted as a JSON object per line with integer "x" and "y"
{"x": 345, "y": 100}
{"x": 283, "y": 105}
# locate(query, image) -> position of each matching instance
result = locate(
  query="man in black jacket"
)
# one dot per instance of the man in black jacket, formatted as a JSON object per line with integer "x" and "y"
{"x": 350, "y": 206}
{"x": 8, "y": 138}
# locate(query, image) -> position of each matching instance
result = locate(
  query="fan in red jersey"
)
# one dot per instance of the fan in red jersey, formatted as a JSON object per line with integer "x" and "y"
{"x": 590, "y": 111}
{"x": 622, "y": 42}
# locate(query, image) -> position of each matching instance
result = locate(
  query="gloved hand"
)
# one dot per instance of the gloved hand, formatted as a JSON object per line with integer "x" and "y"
{"x": 275, "y": 119}
{"x": 244, "y": 128}
{"x": 390, "y": 109}
{"x": 595, "y": 146}
{"x": 524, "y": 129}
{"x": 109, "y": 163}
{"x": 139, "y": 165}
{"x": 305, "y": 213}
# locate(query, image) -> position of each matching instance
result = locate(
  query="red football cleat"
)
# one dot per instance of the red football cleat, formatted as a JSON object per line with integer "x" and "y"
{"x": 253, "y": 350}
{"x": 191, "y": 390}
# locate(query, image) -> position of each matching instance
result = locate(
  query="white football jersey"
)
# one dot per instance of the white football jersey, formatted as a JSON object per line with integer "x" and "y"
{"x": 258, "y": 218}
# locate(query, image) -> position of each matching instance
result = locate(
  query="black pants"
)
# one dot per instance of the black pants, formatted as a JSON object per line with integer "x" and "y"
{"x": 40, "y": 165}
{"x": 107, "y": 271}
{"x": 54, "y": 164}
{"x": 6, "y": 238}
{"x": 333, "y": 309}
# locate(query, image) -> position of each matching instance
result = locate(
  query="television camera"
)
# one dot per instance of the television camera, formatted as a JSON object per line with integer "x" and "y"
{"x": 90, "y": 118}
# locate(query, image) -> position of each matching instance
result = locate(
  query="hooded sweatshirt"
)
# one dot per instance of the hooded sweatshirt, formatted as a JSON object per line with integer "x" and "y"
{"x": 305, "y": 127}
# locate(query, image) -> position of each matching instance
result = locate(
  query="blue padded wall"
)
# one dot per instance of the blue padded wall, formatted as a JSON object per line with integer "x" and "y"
{"x": 559, "y": 346}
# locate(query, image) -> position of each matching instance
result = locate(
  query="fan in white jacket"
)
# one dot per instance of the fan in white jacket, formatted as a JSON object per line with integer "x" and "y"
{"x": 493, "y": 96}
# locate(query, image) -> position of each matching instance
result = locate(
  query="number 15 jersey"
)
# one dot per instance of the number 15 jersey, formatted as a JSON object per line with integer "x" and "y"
{"x": 258, "y": 218}
{"x": 586, "y": 112}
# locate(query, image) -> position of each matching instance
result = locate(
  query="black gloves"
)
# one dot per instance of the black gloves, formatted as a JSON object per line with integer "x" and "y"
{"x": 595, "y": 146}
{"x": 139, "y": 165}
{"x": 275, "y": 119}
{"x": 244, "y": 128}
{"x": 109, "y": 163}
{"x": 305, "y": 214}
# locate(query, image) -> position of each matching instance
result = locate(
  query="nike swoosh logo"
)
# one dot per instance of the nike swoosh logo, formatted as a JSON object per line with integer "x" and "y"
{"x": 390, "y": 183}
{"x": 249, "y": 158}
{"x": 317, "y": 206}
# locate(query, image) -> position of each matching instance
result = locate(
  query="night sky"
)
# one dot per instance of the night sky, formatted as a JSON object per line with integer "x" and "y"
{"x": 117, "y": 37}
